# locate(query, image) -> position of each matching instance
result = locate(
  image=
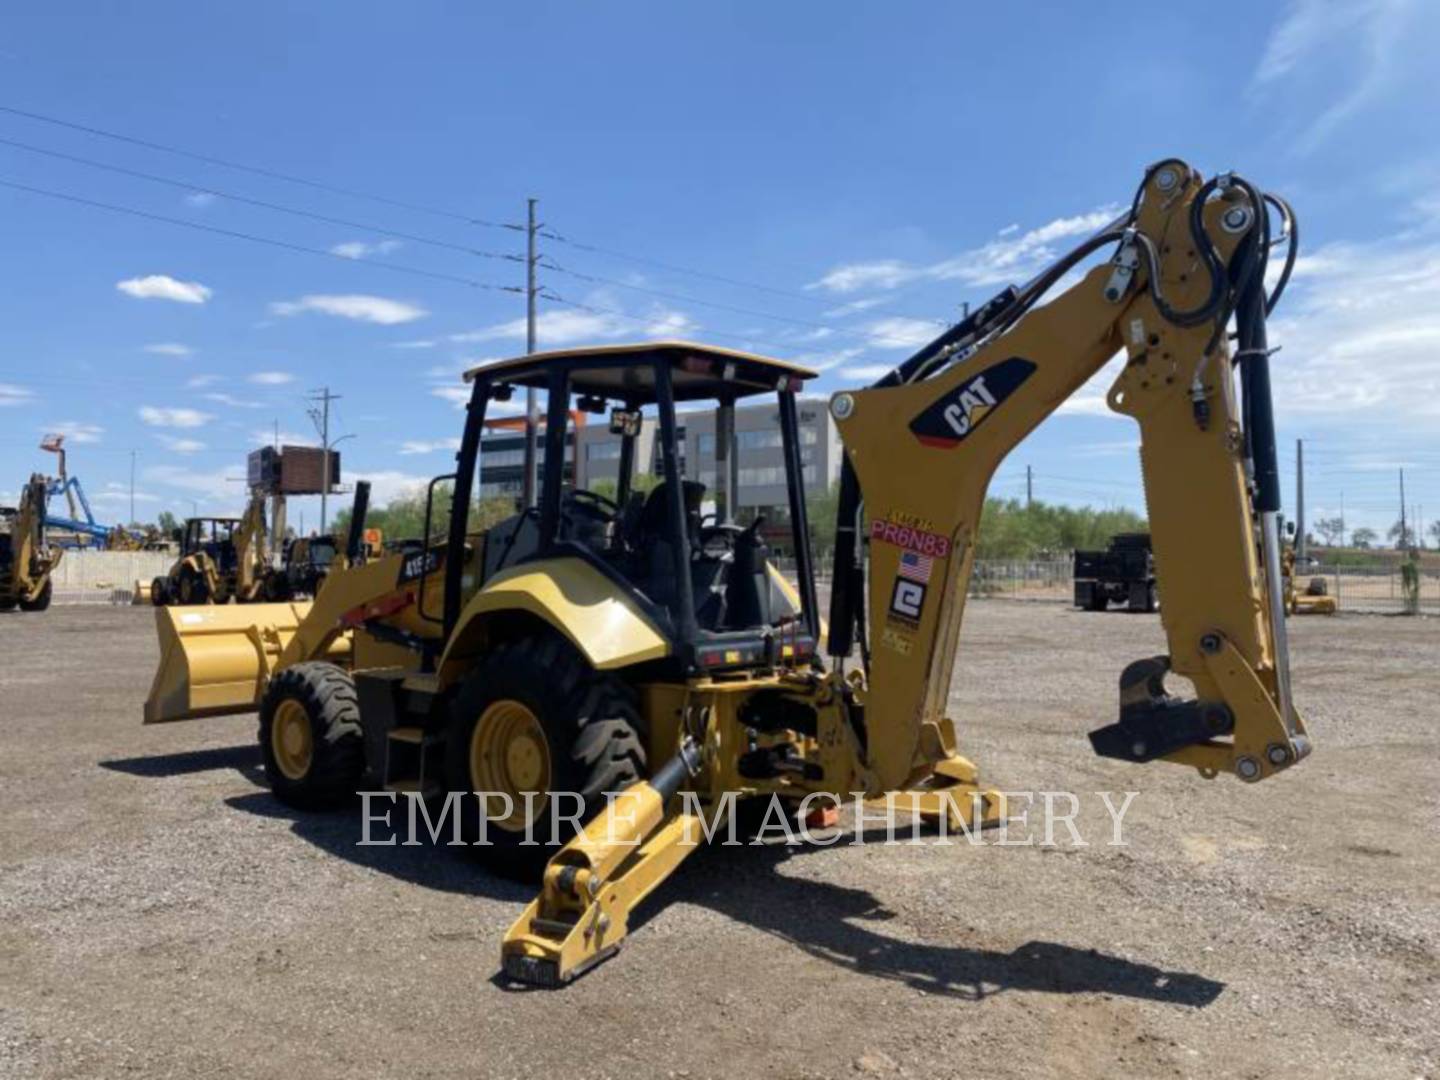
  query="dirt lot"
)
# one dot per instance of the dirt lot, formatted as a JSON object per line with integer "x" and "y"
{"x": 162, "y": 915}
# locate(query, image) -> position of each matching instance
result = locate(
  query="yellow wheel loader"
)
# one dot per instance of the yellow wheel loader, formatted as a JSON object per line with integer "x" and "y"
{"x": 26, "y": 559}
{"x": 592, "y": 646}
{"x": 220, "y": 558}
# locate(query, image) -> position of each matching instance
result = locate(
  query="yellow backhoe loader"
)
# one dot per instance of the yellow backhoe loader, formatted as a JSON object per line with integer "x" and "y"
{"x": 26, "y": 559}
{"x": 591, "y": 646}
{"x": 220, "y": 558}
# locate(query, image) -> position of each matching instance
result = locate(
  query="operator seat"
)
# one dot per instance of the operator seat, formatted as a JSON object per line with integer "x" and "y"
{"x": 653, "y": 543}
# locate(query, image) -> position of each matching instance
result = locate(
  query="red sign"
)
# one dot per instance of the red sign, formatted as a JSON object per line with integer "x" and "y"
{"x": 903, "y": 536}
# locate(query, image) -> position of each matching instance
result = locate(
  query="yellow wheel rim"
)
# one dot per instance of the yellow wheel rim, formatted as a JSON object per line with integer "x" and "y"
{"x": 291, "y": 740}
{"x": 509, "y": 755}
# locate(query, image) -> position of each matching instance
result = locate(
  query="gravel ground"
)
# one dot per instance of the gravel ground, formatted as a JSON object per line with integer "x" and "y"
{"x": 162, "y": 915}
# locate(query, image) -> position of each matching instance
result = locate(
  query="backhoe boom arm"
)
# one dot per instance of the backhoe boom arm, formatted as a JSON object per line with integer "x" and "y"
{"x": 923, "y": 444}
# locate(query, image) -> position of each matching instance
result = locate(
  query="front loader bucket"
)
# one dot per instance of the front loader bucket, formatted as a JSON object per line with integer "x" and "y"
{"x": 217, "y": 659}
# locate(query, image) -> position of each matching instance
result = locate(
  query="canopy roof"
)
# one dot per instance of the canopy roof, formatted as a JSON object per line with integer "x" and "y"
{"x": 626, "y": 372}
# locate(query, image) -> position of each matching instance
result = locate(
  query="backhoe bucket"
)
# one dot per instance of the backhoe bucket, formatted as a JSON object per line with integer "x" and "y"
{"x": 217, "y": 659}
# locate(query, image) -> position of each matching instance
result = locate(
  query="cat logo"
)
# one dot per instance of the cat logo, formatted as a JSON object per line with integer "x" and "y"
{"x": 963, "y": 409}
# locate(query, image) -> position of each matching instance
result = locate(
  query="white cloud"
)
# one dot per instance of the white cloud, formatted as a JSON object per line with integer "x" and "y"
{"x": 430, "y": 446}
{"x": 213, "y": 485}
{"x": 271, "y": 378}
{"x": 157, "y": 416}
{"x": 568, "y": 326}
{"x": 1010, "y": 257}
{"x": 200, "y": 199}
{"x": 371, "y": 309}
{"x": 459, "y": 396}
{"x": 359, "y": 249}
{"x": 10, "y": 394}
{"x": 169, "y": 348}
{"x": 164, "y": 287}
{"x": 197, "y": 381}
{"x": 854, "y": 307}
{"x": 1344, "y": 54}
{"x": 425, "y": 343}
{"x": 75, "y": 431}
{"x": 824, "y": 361}
{"x": 120, "y": 494}
{"x": 1358, "y": 332}
{"x": 228, "y": 399}
{"x": 181, "y": 446}
{"x": 900, "y": 333}
{"x": 866, "y": 373}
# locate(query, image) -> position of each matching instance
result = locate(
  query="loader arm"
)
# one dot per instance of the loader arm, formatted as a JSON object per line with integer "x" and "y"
{"x": 922, "y": 445}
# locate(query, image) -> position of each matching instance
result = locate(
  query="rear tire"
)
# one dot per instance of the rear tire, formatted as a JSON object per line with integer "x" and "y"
{"x": 7, "y": 603}
{"x": 310, "y": 737}
{"x": 42, "y": 600}
{"x": 593, "y": 734}
{"x": 160, "y": 591}
{"x": 1098, "y": 601}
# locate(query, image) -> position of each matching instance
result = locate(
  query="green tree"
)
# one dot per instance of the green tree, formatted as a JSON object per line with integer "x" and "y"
{"x": 403, "y": 517}
{"x": 1364, "y": 538}
{"x": 166, "y": 523}
{"x": 1332, "y": 530}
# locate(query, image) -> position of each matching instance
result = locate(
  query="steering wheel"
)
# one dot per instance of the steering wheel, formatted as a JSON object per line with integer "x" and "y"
{"x": 729, "y": 534}
{"x": 593, "y": 503}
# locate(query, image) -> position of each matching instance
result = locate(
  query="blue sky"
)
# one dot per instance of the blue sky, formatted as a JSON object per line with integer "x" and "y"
{"x": 868, "y": 167}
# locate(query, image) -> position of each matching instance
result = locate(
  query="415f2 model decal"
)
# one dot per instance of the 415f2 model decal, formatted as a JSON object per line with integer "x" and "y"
{"x": 945, "y": 423}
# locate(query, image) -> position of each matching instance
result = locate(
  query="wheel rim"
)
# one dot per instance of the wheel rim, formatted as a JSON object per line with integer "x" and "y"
{"x": 291, "y": 742}
{"x": 509, "y": 754}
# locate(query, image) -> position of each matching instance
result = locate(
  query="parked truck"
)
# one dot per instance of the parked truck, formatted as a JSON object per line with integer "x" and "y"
{"x": 1124, "y": 573}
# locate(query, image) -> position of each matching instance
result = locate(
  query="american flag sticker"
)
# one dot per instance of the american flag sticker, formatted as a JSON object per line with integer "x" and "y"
{"x": 915, "y": 566}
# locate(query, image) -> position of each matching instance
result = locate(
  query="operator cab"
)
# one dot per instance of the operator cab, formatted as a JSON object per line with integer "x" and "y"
{"x": 214, "y": 536}
{"x": 698, "y": 568}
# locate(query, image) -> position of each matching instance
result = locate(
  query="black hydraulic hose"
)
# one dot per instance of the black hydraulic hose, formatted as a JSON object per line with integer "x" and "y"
{"x": 1253, "y": 352}
{"x": 991, "y": 318}
{"x": 1292, "y": 248}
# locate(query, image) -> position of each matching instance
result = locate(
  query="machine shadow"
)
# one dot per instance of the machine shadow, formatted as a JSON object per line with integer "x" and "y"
{"x": 834, "y": 923}
{"x": 842, "y": 926}
{"x": 244, "y": 759}
{"x": 430, "y": 866}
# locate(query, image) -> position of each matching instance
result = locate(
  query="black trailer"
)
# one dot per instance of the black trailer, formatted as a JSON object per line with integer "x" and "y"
{"x": 1124, "y": 573}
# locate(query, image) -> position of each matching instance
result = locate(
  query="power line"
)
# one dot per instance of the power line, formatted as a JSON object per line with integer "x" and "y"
{"x": 263, "y": 204}
{"x": 684, "y": 299}
{"x": 271, "y": 241}
{"x": 597, "y": 309}
{"x": 387, "y": 200}
{"x": 259, "y": 171}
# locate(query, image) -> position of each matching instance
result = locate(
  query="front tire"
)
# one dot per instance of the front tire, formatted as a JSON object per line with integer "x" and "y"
{"x": 160, "y": 591}
{"x": 534, "y": 716}
{"x": 193, "y": 588}
{"x": 310, "y": 737}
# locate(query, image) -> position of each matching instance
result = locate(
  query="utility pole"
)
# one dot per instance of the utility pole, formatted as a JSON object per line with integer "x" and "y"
{"x": 1300, "y": 499}
{"x": 1029, "y": 487}
{"x": 1342, "y": 519}
{"x": 1403, "y": 529}
{"x": 532, "y": 407}
{"x": 321, "y": 419}
{"x": 132, "y": 489}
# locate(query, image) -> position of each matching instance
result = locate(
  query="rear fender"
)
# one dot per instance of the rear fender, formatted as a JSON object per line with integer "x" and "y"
{"x": 593, "y": 612}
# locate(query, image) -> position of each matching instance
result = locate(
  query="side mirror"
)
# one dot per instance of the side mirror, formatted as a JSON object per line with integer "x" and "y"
{"x": 625, "y": 422}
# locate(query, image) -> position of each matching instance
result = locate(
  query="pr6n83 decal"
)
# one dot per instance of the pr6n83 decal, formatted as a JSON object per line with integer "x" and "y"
{"x": 945, "y": 423}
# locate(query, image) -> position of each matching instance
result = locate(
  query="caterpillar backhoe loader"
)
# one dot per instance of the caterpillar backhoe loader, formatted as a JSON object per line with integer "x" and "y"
{"x": 219, "y": 558}
{"x": 590, "y": 646}
{"x": 26, "y": 559}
